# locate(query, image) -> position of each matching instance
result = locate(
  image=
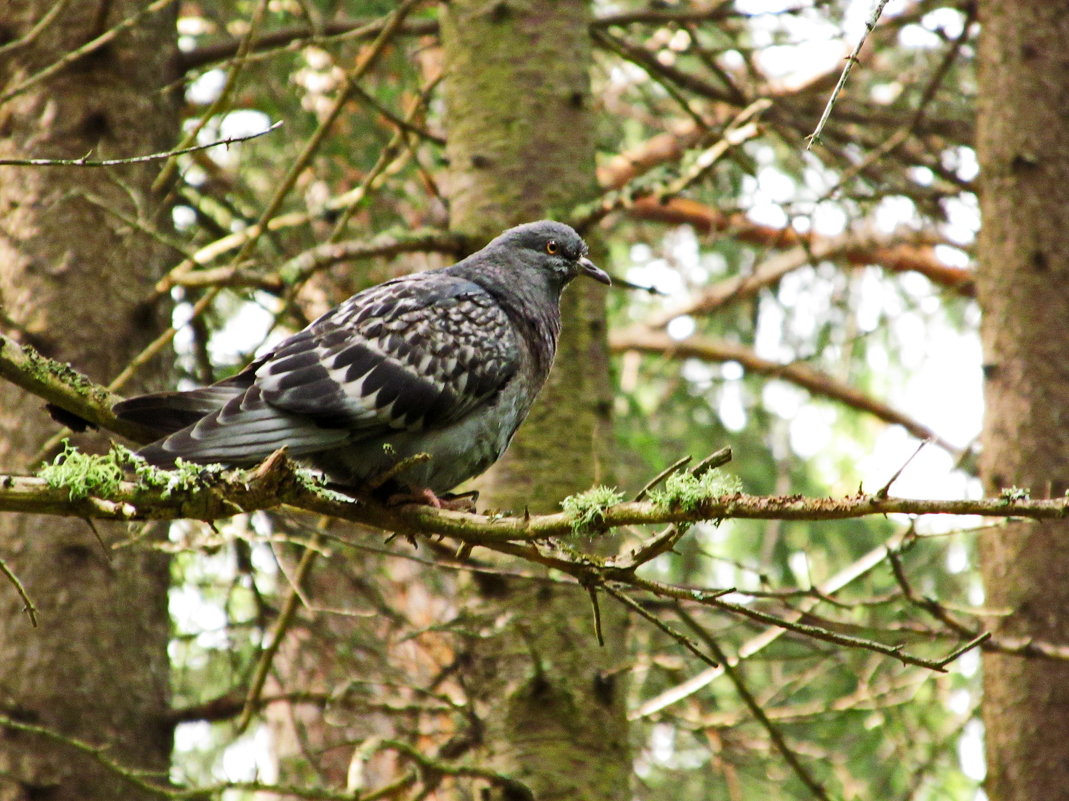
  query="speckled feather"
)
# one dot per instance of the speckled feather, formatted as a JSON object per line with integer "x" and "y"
{"x": 445, "y": 362}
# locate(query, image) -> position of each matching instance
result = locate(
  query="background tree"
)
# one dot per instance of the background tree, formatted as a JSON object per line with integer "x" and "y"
{"x": 80, "y": 251}
{"x": 812, "y": 308}
{"x": 1021, "y": 143}
{"x": 551, "y": 703}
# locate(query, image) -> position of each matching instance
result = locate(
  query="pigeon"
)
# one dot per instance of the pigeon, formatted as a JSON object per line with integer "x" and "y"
{"x": 445, "y": 362}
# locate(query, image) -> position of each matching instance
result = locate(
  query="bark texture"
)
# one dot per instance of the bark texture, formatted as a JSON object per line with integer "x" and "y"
{"x": 74, "y": 279}
{"x": 520, "y": 144}
{"x": 1023, "y": 288}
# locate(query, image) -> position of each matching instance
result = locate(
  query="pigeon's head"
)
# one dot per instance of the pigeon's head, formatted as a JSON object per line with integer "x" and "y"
{"x": 552, "y": 247}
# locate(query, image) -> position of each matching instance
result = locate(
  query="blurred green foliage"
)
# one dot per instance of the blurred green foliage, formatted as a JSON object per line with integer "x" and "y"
{"x": 865, "y": 725}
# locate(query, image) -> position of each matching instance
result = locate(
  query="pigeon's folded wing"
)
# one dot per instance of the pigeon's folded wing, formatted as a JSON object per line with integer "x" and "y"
{"x": 418, "y": 352}
{"x": 412, "y": 354}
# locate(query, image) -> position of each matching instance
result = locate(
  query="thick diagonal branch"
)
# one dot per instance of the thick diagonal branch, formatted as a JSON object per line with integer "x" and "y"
{"x": 62, "y": 386}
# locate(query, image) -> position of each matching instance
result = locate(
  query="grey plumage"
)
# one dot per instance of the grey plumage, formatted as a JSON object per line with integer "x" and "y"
{"x": 446, "y": 362}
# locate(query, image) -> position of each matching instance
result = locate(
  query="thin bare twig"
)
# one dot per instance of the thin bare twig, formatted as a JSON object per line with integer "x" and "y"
{"x": 367, "y": 59}
{"x": 85, "y": 161}
{"x": 646, "y": 340}
{"x": 885, "y": 490}
{"x": 222, "y": 101}
{"x": 28, "y": 606}
{"x": 80, "y": 52}
{"x": 139, "y": 779}
{"x": 739, "y": 131}
{"x": 278, "y": 631}
{"x": 870, "y": 25}
{"x": 678, "y": 636}
{"x": 778, "y": 740}
{"x": 39, "y": 27}
{"x": 694, "y": 684}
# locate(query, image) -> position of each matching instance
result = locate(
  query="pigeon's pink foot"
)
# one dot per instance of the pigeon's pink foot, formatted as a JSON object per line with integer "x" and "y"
{"x": 464, "y": 502}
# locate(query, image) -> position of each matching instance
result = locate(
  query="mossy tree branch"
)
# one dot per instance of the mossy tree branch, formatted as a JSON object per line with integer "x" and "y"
{"x": 275, "y": 484}
{"x": 64, "y": 387}
{"x": 211, "y": 494}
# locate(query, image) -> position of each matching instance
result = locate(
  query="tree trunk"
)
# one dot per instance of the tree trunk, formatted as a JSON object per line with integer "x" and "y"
{"x": 74, "y": 279}
{"x": 1023, "y": 287}
{"x": 520, "y": 144}
{"x": 521, "y": 147}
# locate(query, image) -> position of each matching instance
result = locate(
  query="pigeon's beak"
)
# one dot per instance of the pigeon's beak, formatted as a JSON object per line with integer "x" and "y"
{"x": 587, "y": 267}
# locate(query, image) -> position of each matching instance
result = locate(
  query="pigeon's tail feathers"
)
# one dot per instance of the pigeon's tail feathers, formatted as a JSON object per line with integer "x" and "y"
{"x": 241, "y": 432}
{"x": 168, "y": 412}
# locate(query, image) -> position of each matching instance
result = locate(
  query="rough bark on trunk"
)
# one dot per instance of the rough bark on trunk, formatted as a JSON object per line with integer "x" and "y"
{"x": 520, "y": 144}
{"x": 1023, "y": 287}
{"x": 74, "y": 279}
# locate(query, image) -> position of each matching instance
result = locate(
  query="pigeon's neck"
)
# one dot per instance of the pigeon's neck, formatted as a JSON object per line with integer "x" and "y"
{"x": 532, "y": 302}
{"x": 538, "y": 318}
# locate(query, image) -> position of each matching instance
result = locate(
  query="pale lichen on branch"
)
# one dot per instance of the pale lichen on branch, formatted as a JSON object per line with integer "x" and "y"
{"x": 588, "y": 508}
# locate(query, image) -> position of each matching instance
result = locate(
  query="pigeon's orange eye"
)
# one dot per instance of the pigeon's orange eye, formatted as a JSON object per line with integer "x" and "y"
{"x": 552, "y": 248}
